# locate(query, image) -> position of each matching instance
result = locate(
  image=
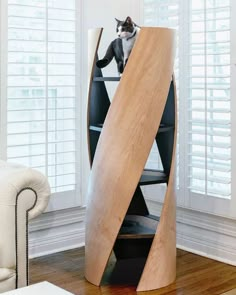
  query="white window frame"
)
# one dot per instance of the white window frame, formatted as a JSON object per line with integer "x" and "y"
{"x": 61, "y": 200}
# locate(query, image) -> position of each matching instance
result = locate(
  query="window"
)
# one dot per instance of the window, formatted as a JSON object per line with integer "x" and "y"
{"x": 42, "y": 90}
{"x": 209, "y": 98}
{"x": 203, "y": 74}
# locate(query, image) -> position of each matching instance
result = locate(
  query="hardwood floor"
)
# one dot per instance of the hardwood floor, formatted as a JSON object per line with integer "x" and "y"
{"x": 232, "y": 292}
{"x": 196, "y": 275}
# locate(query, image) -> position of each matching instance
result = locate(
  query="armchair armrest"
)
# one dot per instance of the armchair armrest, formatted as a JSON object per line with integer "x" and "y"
{"x": 24, "y": 194}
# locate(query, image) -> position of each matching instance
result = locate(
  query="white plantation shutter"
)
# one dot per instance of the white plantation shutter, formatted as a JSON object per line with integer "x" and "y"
{"x": 42, "y": 114}
{"x": 209, "y": 98}
{"x": 203, "y": 72}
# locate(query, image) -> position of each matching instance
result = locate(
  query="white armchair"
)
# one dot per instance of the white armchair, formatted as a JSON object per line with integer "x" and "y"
{"x": 24, "y": 194}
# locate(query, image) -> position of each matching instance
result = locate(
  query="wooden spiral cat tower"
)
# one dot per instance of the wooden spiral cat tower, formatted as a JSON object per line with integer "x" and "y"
{"x": 143, "y": 110}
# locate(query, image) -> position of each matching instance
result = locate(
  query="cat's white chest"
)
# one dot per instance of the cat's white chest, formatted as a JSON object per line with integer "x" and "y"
{"x": 127, "y": 47}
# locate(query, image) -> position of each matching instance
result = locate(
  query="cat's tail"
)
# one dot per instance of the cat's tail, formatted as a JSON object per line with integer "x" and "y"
{"x": 101, "y": 63}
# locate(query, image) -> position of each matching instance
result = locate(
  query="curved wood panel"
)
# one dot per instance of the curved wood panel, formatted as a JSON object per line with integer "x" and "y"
{"x": 94, "y": 37}
{"x": 98, "y": 100}
{"x": 160, "y": 267}
{"x": 125, "y": 143}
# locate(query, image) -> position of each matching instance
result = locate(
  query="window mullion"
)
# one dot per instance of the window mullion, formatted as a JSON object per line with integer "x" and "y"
{"x": 46, "y": 89}
{"x": 184, "y": 96}
{"x": 3, "y": 78}
{"x": 233, "y": 101}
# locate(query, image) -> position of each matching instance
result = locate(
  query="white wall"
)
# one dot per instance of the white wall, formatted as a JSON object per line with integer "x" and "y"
{"x": 102, "y": 13}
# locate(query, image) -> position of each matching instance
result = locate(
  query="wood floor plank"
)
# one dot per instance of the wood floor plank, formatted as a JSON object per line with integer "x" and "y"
{"x": 196, "y": 275}
{"x": 231, "y": 292}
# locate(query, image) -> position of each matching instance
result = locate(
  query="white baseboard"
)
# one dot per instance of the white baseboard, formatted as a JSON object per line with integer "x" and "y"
{"x": 204, "y": 234}
{"x": 57, "y": 231}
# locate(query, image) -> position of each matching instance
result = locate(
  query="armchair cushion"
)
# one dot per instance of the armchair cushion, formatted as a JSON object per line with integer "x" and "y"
{"x": 7, "y": 279}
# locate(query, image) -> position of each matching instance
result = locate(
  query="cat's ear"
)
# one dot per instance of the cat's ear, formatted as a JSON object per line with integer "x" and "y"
{"x": 118, "y": 21}
{"x": 128, "y": 20}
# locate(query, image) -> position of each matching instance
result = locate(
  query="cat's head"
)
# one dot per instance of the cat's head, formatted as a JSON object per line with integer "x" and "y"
{"x": 125, "y": 28}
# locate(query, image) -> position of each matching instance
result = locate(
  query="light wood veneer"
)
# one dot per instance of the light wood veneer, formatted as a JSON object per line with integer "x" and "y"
{"x": 125, "y": 142}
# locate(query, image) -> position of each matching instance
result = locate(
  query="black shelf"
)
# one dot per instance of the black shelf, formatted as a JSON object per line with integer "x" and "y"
{"x": 97, "y": 127}
{"x": 135, "y": 236}
{"x": 138, "y": 227}
{"x": 104, "y": 79}
{"x": 150, "y": 176}
{"x": 163, "y": 128}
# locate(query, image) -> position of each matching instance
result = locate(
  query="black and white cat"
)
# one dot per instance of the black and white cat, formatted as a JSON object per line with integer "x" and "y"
{"x": 121, "y": 47}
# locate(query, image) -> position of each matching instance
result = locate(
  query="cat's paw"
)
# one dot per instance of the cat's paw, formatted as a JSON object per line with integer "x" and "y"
{"x": 102, "y": 63}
